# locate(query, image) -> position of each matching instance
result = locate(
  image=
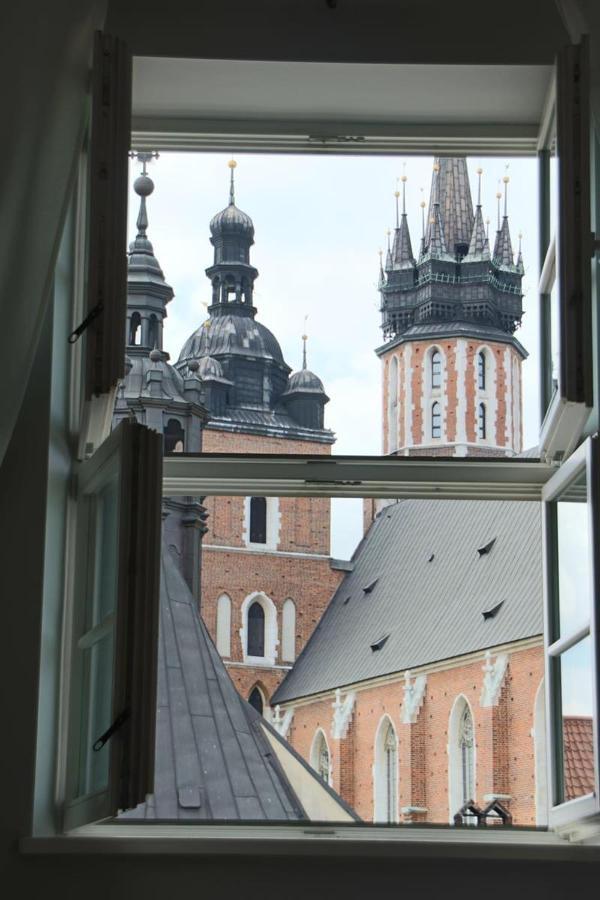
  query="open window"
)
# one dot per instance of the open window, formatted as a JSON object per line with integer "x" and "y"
{"x": 114, "y": 626}
{"x": 571, "y": 501}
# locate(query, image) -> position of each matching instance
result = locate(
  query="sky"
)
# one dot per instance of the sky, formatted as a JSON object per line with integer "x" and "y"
{"x": 319, "y": 223}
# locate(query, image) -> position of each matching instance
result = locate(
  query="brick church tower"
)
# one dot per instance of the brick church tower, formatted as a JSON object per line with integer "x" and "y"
{"x": 451, "y": 362}
{"x": 266, "y": 574}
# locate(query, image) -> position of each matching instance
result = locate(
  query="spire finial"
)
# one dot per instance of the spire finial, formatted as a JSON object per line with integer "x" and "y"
{"x": 479, "y": 174}
{"x": 397, "y": 195}
{"x": 498, "y": 199}
{"x": 403, "y": 180}
{"x": 506, "y": 179}
{"x": 143, "y": 186}
{"x": 387, "y": 234}
{"x": 304, "y": 340}
{"x": 232, "y": 164}
{"x": 422, "y": 205}
{"x": 487, "y": 228}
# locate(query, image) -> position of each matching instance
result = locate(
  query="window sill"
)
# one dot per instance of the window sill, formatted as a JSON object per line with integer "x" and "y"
{"x": 306, "y": 840}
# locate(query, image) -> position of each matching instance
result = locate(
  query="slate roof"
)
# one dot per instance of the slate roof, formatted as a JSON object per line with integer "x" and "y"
{"x": 440, "y": 330}
{"x": 579, "y": 756}
{"x": 232, "y": 334}
{"x": 213, "y": 759}
{"x": 432, "y": 589}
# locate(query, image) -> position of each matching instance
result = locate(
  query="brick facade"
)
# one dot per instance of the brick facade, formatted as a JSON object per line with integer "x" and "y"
{"x": 294, "y": 565}
{"x": 504, "y": 738}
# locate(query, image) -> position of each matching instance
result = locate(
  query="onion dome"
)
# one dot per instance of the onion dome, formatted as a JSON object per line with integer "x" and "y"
{"x": 305, "y": 381}
{"x": 232, "y": 220}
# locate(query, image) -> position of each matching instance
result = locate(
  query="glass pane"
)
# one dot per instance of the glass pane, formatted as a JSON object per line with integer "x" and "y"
{"x": 573, "y": 558}
{"x": 575, "y": 674}
{"x": 107, "y": 509}
{"x": 555, "y": 335}
{"x": 96, "y": 715}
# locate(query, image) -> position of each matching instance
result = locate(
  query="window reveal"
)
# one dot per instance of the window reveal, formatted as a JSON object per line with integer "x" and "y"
{"x": 258, "y": 520}
{"x": 256, "y": 630}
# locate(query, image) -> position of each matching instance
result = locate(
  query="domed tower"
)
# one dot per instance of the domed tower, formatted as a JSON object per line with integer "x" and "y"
{"x": 153, "y": 391}
{"x": 266, "y": 567}
{"x": 451, "y": 361}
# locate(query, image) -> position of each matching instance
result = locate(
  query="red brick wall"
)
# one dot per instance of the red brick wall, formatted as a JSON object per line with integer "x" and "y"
{"x": 497, "y": 378}
{"x": 504, "y": 753}
{"x": 304, "y": 528}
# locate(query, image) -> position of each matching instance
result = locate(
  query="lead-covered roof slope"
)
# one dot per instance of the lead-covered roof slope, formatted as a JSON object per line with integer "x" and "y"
{"x": 432, "y": 589}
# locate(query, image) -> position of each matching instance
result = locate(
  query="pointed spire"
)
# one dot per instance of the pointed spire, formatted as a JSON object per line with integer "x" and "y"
{"x": 232, "y": 164}
{"x": 402, "y": 255}
{"x": 422, "y": 205}
{"x": 520, "y": 265}
{"x": 503, "y": 251}
{"x": 479, "y": 247}
{"x": 451, "y": 190}
{"x": 437, "y": 242}
{"x": 388, "y": 255}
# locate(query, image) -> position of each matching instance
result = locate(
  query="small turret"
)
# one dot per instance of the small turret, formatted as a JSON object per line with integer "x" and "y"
{"x": 305, "y": 397}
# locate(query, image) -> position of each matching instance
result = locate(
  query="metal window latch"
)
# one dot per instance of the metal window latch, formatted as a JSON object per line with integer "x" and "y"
{"x": 120, "y": 720}
{"x": 93, "y": 313}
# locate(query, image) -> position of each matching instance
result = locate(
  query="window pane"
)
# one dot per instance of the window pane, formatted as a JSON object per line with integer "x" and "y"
{"x": 106, "y": 552}
{"x": 575, "y": 675}
{"x": 96, "y": 713}
{"x": 573, "y": 558}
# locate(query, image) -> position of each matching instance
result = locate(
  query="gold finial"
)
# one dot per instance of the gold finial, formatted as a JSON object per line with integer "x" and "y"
{"x": 422, "y": 204}
{"x": 479, "y": 170}
{"x": 431, "y": 220}
{"x": 479, "y": 174}
{"x": 436, "y": 167}
{"x": 304, "y": 340}
{"x": 232, "y": 164}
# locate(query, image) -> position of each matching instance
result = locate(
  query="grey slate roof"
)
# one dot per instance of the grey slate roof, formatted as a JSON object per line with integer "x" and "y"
{"x": 226, "y": 334}
{"x": 432, "y": 609}
{"x": 440, "y": 330}
{"x": 272, "y": 423}
{"x": 213, "y": 760}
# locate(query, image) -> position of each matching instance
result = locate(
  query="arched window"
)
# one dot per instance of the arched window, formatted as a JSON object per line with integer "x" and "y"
{"x": 224, "y": 625}
{"x": 436, "y": 420}
{"x": 467, "y": 767}
{"x": 174, "y": 437}
{"x": 153, "y": 332}
{"x": 256, "y": 700}
{"x": 386, "y": 773}
{"x": 256, "y": 630}
{"x": 258, "y": 520}
{"x": 461, "y": 761}
{"x": 436, "y": 369}
{"x": 481, "y": 370}
{"x": 319, "y": 757}
{"x": 135, "y": 324}
{"x": 393, "y": 405}
{"x": 481, "y": 425}
{"x": 288, "y": 632}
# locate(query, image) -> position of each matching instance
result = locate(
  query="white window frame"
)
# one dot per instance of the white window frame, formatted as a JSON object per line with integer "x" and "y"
{"x": 320, "y": 738}
{"x": 568, "y": 815}
{"x": 271, "y": 631}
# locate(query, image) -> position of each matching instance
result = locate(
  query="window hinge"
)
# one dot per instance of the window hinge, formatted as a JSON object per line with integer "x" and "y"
{"x": 93, "y": 313}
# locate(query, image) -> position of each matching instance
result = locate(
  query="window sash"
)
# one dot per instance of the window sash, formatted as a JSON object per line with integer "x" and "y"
{"x": 567, "y": 814}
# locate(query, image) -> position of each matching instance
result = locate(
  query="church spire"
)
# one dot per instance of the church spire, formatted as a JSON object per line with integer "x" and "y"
{"x": 402, "y": 255}
{"x": 503, "y": 251}
{"x": 479, "y": 247}
{"x": 451, "y": 190}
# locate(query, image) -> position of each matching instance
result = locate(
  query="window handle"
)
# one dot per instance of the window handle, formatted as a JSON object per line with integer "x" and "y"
{"x": 76, "y": 334}
{"x": 120, "y": 720}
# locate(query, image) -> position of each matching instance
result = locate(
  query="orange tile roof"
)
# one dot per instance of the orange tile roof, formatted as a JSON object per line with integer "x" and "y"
{"x": 578, "y": 755}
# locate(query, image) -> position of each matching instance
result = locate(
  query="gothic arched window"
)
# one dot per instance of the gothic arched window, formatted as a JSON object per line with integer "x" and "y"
{"x": 466, "y": 749}
{"x": 224, "y": 625}
{"x": 436, "y": 369}
{"x": 386, "y": 773}
{"x": 258, "y": 520}
{"x": 256, "y": 630}
{"x": 135, "y": 324}
{"x": 174, "y": 437}
{"x": 481, "y": 370}
{"x": 436, "y": 420}
{"x": 256, "y": 700}
{"x": 319, "y": 757}
{"x": 481, "y": 423}
{"x": 288, "y": 631}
